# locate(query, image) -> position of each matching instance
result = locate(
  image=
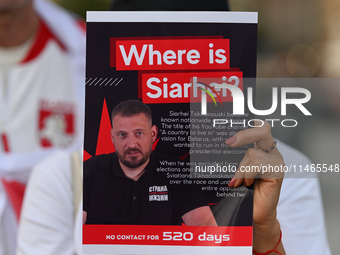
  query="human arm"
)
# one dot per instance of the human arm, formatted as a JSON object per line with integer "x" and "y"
{"x": 46, "y": 224}
{"x": 84, "y": 217}
{"x": 300, "y": 212}
{"x": 201, "y": 216}
{"x": 300, "y": 204}
{"x": 266, "y": 187}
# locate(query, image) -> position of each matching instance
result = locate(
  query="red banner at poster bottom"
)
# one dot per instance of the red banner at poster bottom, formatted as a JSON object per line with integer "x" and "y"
{"x": 167, "y": 235}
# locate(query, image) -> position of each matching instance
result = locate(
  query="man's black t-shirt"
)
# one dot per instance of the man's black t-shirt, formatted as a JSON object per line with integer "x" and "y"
{"x": 112, "y": 198}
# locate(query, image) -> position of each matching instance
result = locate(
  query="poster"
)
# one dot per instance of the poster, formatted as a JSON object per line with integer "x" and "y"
{"x": 188, "y": 68}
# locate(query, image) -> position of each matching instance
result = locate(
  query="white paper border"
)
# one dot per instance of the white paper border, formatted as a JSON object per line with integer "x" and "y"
{"x": 188, "y": 17}
{"x": 166, "y": 250}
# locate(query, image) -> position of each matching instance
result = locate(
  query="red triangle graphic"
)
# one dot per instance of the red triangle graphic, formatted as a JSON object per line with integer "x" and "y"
{"x": 104, "y": 142}
{"x": 86, "y": 155}
{"x": 15, "y": 192}
{"x": 212, "y": 204}
{"x": 184, "y": 156}
{"x": 155, "y": 144}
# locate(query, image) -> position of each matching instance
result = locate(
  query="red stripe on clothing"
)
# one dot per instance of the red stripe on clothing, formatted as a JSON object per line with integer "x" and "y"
{"x": 42, "y": 37}
{"x": 5, "y": 142}
{"x": 15, "y": 193}
{"x": 82, "y": 24}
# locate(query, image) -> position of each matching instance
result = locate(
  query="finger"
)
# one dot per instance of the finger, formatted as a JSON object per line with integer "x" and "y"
{"x": 249, "y": 167}
{"x": 259, "y": 135}
{"x": 242, "y": 176}
{"x": 257, "y": 164}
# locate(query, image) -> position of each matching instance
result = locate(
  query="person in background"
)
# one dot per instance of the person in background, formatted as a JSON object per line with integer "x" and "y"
{"x": 42, "y": 70}
{"x": 296, "y": 209}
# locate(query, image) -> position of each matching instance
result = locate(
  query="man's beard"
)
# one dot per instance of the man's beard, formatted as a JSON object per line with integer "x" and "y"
{"x": 134, "y": 162}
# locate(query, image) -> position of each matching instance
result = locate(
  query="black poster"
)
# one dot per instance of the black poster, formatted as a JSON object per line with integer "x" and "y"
{"x": 161, "y": 91}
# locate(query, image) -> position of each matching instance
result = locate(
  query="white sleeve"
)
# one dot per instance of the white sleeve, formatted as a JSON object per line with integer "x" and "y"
{"x": 46, "y": 224}
{"x": 300, "y": 209}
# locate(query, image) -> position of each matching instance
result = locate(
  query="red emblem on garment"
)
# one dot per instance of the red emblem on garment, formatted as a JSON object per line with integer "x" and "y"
{"x": 56, "y": 124}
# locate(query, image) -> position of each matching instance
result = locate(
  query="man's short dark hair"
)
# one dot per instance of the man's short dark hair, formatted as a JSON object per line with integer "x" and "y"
{"x": 131, "y": 108}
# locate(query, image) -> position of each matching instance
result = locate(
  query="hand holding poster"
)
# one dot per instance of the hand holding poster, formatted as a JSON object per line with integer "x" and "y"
{"x": 180, "y": 66}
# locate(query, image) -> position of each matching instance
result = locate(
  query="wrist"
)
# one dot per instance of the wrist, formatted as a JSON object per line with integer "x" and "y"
{"x": 266, "y": 236}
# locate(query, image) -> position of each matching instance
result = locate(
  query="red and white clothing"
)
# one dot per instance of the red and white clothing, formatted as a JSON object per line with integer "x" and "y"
{"x": 41, "y": 106}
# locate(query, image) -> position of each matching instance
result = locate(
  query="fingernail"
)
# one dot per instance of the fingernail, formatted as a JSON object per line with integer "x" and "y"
{"x": 232, "y": 182}
{"x": 231, "y": 140}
